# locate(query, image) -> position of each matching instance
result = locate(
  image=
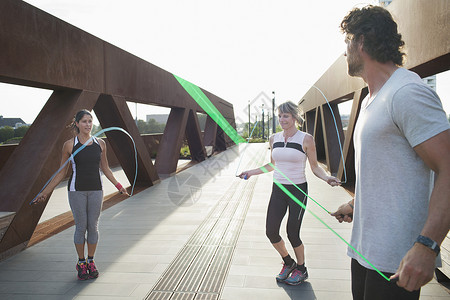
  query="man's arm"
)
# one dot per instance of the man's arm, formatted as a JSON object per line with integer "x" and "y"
{"x": 417, "y": 266}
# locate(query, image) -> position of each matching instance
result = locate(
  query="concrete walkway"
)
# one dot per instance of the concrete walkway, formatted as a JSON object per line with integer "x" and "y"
{"x": 142, "y": 237}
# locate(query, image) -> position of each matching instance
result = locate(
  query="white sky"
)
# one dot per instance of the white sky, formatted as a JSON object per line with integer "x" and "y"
{"x": 235, "y": 49}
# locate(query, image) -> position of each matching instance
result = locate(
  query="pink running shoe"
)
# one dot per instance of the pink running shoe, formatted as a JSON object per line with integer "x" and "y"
{"x": 285, "y": 271}
{"x": 297, "y": 277}
{"x": 93, "y": 272}
{"x": 82, "y": 271}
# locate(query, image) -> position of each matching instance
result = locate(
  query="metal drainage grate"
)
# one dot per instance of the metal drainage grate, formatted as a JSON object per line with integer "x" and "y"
{"x": 200, "y": 268}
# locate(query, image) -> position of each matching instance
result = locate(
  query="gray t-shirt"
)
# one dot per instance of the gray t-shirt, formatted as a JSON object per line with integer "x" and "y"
{"x": 393, "y": 183}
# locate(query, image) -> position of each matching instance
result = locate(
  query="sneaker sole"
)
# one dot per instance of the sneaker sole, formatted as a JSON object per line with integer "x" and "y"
{"x": 295, "y": 283}
{"x": 82, "y": 279}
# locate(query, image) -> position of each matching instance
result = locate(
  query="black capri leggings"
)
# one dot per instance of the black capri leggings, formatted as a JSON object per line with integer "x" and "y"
{"x": 278, "y": 204}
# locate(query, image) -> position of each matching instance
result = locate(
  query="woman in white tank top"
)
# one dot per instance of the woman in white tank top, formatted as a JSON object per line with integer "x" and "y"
{"x": 289, "y": 151}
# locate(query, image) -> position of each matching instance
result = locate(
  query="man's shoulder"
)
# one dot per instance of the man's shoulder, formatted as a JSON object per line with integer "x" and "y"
{"x": 406, "y": 84}
{"x": 404, "y": 77}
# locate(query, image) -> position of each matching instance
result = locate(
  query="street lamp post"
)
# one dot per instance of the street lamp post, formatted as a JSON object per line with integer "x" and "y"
{"x": 249, "y": 120}
{"x": 273, "y": 113}
{"x": 256, "y": 122}
{"x": 263, "y": 121}
{"x": 136, "y": 120}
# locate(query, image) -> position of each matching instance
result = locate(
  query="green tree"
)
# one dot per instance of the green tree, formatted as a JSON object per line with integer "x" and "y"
{"x": 244, "y": 130}
{"x": 155, "y": 127}
{"x": 254, "y": 131}
{"x": 20, "y": 131}
{"x": 96, "y": 129}
{"x": 142, "y": 127}
{"x": 6, "y": 133}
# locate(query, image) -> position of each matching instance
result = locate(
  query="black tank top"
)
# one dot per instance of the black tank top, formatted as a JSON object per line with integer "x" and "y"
{"x": 86, "y": 174}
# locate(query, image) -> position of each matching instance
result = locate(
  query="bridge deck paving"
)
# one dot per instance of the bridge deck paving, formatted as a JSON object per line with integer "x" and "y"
{"x": 140, "y": 238}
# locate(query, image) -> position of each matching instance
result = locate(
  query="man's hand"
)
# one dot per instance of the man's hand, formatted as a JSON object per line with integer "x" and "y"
{"x": 344, "y": 213}
{"x": 416, "y": 268}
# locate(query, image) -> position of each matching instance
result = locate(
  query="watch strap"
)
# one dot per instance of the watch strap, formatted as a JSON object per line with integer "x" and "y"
{"x": 426, "y": 241}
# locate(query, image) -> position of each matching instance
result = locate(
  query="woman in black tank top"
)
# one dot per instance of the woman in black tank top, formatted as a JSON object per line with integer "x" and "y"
{"x": 84, "y": 188}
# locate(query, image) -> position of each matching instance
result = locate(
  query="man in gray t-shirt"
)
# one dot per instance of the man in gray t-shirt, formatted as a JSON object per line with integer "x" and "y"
{"x": 401, "y": 134}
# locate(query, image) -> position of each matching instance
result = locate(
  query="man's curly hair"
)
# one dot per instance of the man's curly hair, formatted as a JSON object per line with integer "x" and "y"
{"x": 381, "y": 39}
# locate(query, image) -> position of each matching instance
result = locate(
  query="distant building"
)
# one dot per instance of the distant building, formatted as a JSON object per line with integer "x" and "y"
{"x": 11, "y": 122}
{"x": 345, "y": 120}
{"x": 430, "y": 81}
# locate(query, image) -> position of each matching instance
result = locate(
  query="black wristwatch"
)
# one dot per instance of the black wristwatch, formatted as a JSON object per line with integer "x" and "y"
{"x": 426, "y": 241}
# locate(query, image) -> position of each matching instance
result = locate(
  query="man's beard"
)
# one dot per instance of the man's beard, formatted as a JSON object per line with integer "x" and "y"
{"x": 355, "y": 70}
{"x": 355, "y": 63}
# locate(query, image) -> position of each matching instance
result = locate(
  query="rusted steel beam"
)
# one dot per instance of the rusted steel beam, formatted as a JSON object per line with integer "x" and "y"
{"x": 113, "y": 112}
{"x": 169, "y": 148}
{"x": 310, "y": 121}
{"x": 222, "y": 140}
{"x": 347, "y": 147}
{"x": 5, "y": 220}
{"x": 425, "y": 28}
{"x": 332, "y": 150}
{"x": 336, "y": 85}
{"x": 42, "y": 51}
{"x": 5, "y": 153}
{"x": 209, "y": 138}
{"x": 318, "y": 135}
{"x": 152, "y": 142}
{"x": 135, "y": 79}
{"x": 194, "y": 137}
